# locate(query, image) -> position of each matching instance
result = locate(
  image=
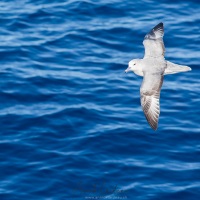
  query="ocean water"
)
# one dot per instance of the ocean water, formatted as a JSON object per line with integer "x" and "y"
{"x": 71, "y": 122}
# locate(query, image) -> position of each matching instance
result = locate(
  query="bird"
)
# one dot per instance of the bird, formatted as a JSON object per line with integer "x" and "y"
{"x": 152, "y": 68}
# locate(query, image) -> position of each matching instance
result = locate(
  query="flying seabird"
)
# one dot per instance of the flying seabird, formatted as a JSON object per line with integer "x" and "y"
{"x": 153, "y": 67}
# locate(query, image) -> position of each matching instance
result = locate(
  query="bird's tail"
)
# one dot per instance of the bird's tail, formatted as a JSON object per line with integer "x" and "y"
{"x": 173, "y": 68}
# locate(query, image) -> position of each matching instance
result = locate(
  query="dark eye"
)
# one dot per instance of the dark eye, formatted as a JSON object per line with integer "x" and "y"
{"x": 134, "y": 64}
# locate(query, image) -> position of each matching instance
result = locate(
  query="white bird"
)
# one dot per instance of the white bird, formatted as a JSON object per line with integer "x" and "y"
{"x": 153, "y": 67}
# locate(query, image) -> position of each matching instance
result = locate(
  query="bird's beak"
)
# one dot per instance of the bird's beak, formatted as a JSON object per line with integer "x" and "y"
{"x": 128, "y": 69}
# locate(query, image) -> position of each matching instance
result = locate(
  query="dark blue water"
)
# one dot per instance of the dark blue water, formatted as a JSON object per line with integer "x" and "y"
{"x": 71, "y": 122}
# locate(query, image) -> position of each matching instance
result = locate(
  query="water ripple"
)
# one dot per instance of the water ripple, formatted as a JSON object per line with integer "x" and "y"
{"x": 71, "y": 121}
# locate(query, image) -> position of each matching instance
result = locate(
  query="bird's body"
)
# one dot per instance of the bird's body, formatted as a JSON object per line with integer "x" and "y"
{"x": 153, "y": 67}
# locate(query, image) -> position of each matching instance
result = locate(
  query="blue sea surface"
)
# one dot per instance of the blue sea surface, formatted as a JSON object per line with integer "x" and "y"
{"x": 71, "y": 122}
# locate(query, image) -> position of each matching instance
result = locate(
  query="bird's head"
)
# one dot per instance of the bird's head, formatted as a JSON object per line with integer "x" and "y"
{"x": 133, "y": 65}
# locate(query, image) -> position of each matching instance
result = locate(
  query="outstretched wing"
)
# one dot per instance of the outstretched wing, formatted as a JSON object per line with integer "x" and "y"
{"x": 150, "y": 97}
{"x": 153, "y": 42}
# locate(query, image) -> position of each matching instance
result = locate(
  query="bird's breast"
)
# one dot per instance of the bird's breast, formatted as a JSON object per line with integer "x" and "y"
{"x": 153, "y": 65}
{"x": 138, "y": 72}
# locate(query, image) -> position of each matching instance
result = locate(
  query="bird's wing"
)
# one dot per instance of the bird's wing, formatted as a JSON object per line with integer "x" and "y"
{"x": 153, "y": 42}
{"x": 150, "y": 97}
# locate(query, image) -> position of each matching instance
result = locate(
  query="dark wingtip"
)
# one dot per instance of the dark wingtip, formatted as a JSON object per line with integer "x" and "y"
{"x": 154, "y": 126}
{"x": 160, "y": 25}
